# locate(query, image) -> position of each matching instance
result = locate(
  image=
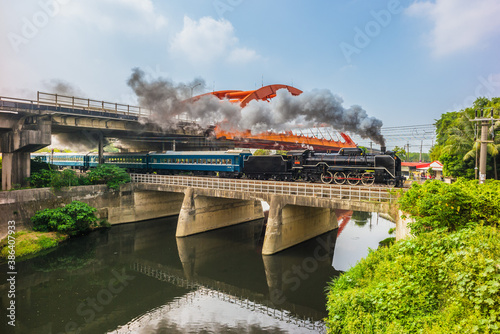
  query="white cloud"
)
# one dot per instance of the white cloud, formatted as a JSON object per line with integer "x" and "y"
{"x": 208, "y": 40}
{"x": 242, "y": 55}
{"x": 131, "y": 16}
{"x": 458, "y": 24}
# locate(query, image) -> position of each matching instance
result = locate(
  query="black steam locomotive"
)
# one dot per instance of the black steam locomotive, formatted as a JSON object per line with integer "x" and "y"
{"x": 348, "y": 166}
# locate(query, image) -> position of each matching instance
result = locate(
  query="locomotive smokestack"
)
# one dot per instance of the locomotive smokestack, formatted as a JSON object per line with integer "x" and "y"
{"x": 383, "y": 149}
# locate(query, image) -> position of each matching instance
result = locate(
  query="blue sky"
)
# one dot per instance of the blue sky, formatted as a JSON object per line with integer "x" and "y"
{"x": 404, "y": 62}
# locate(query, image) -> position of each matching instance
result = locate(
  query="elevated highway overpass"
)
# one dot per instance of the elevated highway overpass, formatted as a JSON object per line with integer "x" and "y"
{"x": 27, "y": 126}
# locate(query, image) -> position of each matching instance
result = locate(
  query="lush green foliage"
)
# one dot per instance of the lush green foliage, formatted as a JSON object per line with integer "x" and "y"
{"x": 437, "y": 205}
{"x": 457, "y": 140}
{"x": 434, "y": 283}
{"x": 41, "y": 179}
{"x": 73, "y": 219}
{"x": 411, "y": 156}
{"x": 111, "y": 175}
{"x": 36, "y": 165}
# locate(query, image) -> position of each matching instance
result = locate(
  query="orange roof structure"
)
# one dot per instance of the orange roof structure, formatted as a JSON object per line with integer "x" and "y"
{"x": 272, "y": 140}
{"x": 264, "y": 93}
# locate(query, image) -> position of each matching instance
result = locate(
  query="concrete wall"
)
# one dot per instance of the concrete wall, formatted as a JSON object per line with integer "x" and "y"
{"x": 402, "y": 229}
{"x": 116, "y": 207}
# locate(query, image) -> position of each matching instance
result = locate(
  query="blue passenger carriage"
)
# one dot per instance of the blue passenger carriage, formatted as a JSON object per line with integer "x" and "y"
{"x": 62, "y": 160}
{"x": 225, "y": 164}
{"x": 131, "y": 161}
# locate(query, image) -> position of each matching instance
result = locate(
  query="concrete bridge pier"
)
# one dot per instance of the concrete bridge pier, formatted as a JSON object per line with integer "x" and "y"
{"x": 29, "y": 135}
{"x": 289, "y": 225}
{"x": 202, "y": 213}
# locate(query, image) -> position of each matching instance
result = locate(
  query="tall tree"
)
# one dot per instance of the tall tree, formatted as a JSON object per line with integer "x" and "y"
{"x": 457, "y": 140}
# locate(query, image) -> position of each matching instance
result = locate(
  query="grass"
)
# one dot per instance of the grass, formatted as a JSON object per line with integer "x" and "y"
{"x": 31, "y": 242}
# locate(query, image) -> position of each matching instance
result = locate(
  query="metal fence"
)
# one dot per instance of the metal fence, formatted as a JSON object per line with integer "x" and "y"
{"x": 89, "y": 104}
{"x": 351, "y": 193}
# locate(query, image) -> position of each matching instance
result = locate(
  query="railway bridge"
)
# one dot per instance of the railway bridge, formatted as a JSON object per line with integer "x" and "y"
{"x": 27, "y": 126}
{"x": 298, "y": 211}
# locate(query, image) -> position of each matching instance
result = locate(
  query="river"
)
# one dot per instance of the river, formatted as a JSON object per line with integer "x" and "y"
{"x": 140, "y": 278}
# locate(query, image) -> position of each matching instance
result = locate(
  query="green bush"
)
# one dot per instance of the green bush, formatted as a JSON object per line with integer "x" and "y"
{"x": 437, "y": 205}
{"x": 42, "y": 178}
{"x": 111, "y": 175}
{"x": 73, "y": 219}
{"x": 65, "y": 178}
{"x": 36, "y": 165}
{"x": 434, "y": 283}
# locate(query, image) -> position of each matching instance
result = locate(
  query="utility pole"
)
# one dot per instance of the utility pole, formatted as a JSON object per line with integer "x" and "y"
{"x": 421, "y": 144}
{"x": 484, "y": 119}
{"x": 408, "y": 151}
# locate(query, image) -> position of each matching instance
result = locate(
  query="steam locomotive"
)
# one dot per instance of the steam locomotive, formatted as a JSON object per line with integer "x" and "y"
{"x": 348, "y": 166}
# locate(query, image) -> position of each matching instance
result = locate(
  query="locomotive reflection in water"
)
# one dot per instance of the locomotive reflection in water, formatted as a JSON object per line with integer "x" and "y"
{"x": 349, "y": 166}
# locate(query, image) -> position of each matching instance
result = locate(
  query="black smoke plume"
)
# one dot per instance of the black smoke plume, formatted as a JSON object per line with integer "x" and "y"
{"x": 167, "y": 100}
{"x": 62, "y": 87}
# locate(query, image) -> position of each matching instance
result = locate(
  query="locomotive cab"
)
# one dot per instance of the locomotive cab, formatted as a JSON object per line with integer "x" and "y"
{"x": 297, "y": 158}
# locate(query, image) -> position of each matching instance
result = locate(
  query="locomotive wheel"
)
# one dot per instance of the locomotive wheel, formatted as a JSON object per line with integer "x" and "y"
{"x": 352, "y": 179}
{"x": 368, "y": 179}
{"x": 327, "y": 177}
{"x": 339, "y": 178}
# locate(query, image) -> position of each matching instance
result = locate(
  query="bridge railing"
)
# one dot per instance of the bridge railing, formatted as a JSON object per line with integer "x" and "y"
{"x": 351, "y": 193}
{"x": 11, "y": 103}
{"x": 73, "y": 102}
{"x": 89, "y": 104}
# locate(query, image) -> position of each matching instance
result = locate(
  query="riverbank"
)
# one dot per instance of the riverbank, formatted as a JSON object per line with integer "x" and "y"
{"x": 29, "y": 243}
{"x": 443, "y": 280}
{"x": 434, "y": 283}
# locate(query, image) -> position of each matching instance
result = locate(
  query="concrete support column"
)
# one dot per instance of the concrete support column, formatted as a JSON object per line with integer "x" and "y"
{"x": 29, "y": 135}
{"x": 289, "y": 225}
{"x": 142, "y": 205}
{"x": 16, "y": 168}
{"x": 200, "y": 213}
{"x": 100, "y": 148}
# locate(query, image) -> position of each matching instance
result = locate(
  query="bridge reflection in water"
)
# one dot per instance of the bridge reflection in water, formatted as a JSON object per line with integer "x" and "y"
{"x": 218, "y": 281}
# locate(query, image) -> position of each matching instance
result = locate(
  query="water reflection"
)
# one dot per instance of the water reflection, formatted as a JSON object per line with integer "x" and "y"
{"x": 138, "y": 278}
{"x": 355, "y": 237}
